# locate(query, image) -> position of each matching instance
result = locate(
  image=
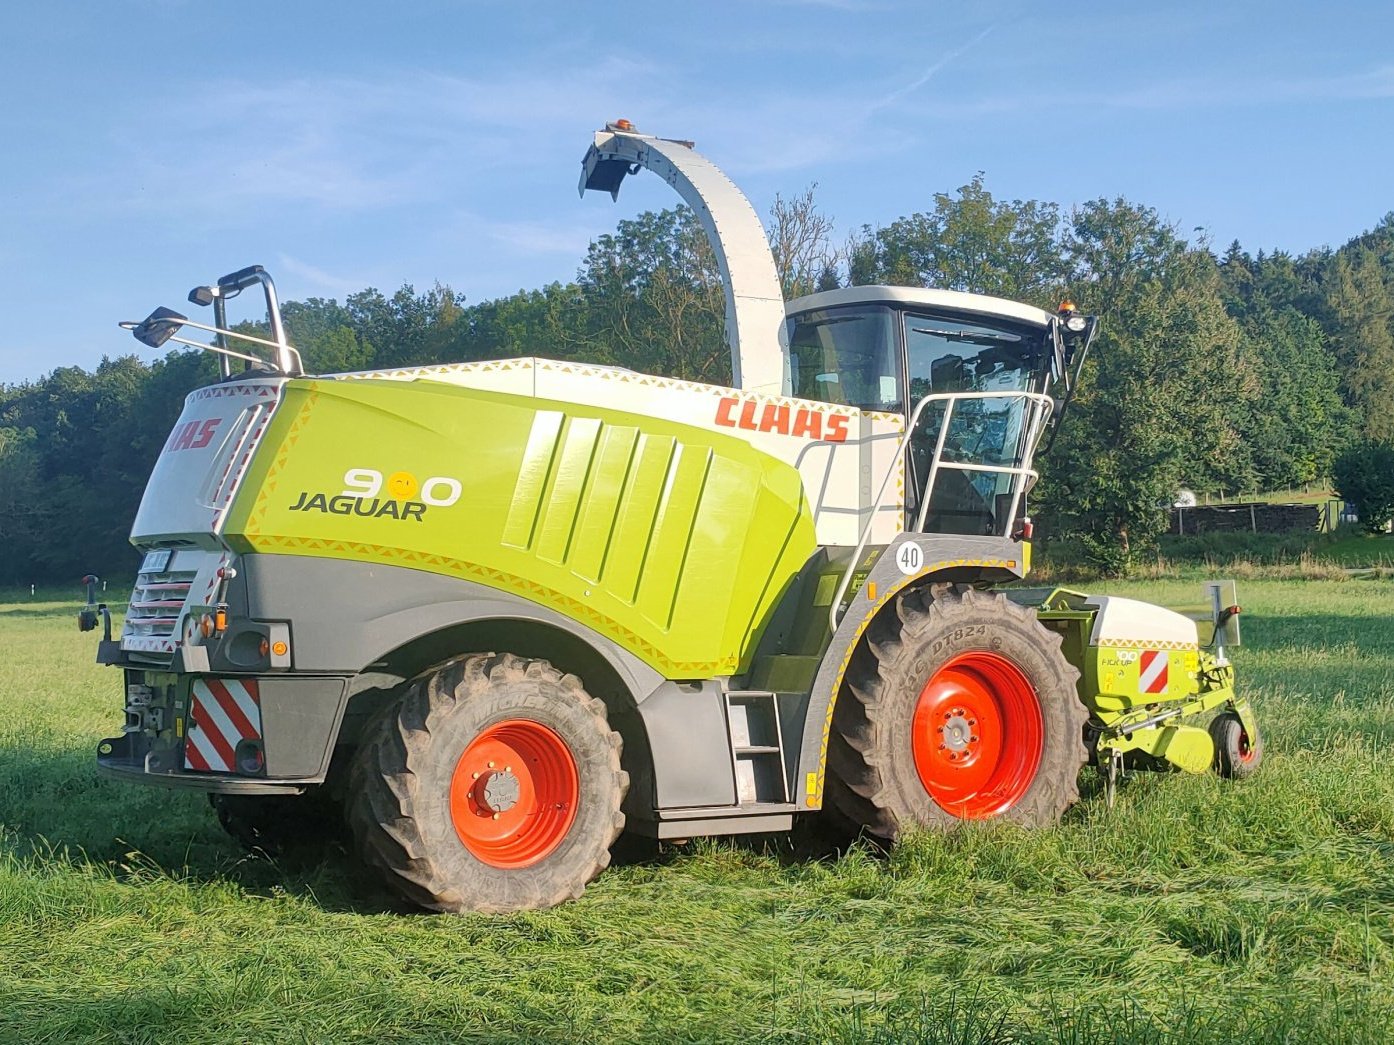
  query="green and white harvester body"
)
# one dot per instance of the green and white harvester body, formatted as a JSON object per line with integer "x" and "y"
{"x": 492, "y": 614}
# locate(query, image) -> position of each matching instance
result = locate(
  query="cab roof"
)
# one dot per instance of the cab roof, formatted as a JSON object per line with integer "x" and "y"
{"x": 949, "y": 300}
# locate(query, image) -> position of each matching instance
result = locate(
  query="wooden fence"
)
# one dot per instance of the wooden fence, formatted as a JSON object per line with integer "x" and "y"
{"x": 1256, "y": 517}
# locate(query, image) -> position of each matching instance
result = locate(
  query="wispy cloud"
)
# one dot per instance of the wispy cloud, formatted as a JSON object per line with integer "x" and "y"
{"x": 401, "y": 139}
{"x": 315, "y": 278}
{"x": 1184, "y": 93}
{"x": 929, "y": 74}
{"x": 569, "y": 239}
{"x": 350, "y": 143}
{"x": 797, "y": 131}
{"x": 1370, "y": 84}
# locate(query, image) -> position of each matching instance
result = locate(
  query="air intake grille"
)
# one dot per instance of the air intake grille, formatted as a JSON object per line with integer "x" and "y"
{"x": 153, "y": 615}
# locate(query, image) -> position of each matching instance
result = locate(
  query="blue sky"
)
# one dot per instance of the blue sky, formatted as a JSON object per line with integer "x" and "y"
{"x": 154, "y": 144}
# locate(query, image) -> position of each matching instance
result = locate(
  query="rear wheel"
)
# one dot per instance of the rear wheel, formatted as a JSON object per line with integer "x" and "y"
{"x": 494, "y": 785}
{"x": 1237, "y": 754}
{"x": 958, "y": 706}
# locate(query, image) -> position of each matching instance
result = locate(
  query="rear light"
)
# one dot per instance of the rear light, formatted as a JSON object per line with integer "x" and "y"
{"x": 250, "y": 758}
{"x": 206, "y": 626}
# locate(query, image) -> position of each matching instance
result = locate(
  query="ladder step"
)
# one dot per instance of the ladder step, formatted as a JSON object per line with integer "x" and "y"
{"x": 756, "y": 746}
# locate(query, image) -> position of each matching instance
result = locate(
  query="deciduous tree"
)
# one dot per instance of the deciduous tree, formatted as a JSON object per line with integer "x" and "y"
{"x": 1162, "y": 395}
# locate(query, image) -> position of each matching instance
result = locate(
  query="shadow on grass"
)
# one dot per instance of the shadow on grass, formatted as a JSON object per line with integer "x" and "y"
{"x": 57, "y": 809}
{"x": 1369, "y": 634}
{"x": 41, "y": 612}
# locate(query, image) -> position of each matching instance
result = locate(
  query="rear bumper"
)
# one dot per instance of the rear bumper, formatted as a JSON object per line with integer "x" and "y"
{"x": 127, "y": 758}
{"x": 176, "y": 737}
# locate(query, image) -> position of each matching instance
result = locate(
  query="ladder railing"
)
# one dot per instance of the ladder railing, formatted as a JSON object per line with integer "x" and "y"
{"x": 1039, "y": 406}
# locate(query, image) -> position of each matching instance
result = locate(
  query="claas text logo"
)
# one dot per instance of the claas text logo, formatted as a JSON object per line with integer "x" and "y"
{"x": 781, "y": 418}
{"x": 192, "y": 435}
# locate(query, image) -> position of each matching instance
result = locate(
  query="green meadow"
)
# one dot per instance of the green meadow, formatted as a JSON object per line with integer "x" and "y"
{"x": 1195, "y": 909}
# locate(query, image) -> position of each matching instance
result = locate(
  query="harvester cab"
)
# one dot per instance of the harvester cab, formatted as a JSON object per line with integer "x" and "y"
{"x": 569, "y": 599}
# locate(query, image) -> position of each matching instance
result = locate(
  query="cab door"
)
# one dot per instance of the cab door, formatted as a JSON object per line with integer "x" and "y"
{"x": 966, "y": 362}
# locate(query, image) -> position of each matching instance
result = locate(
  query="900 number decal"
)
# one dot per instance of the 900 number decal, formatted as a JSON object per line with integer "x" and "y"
{"x": 371, "y": 495}
{"x": 439, "y": 490}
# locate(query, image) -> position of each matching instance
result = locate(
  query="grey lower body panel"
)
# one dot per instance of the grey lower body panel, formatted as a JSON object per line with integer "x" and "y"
{"x": 347, "y": 615}
{"x": 760, "y": 818}
{"x": 689, "y": 747}
{"x": 341, "y": 621}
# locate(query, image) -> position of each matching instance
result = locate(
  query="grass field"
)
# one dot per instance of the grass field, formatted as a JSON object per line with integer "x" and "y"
{"x": 1194, "y": 910}
{"x": 1241, "y": 555}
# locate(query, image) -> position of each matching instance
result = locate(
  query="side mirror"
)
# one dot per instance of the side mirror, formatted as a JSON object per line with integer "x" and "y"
{"x": 158, "y": 327}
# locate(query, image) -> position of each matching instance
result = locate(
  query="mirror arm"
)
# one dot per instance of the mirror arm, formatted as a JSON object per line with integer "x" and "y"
{"x": 1072, "y": 383}
{"x": 220, "y": 321}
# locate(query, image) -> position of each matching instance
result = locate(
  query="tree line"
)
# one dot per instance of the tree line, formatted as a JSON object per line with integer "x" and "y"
{"x": 1217, "y": 371}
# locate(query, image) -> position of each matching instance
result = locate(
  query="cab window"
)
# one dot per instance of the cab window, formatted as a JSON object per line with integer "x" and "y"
{"x": 847, "y": 357}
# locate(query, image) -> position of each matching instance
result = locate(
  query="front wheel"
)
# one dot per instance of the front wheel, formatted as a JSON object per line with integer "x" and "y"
{"x": 959, "y": 705}
{"x": 493, "y": 785}
{"x": 1237, "y": 754}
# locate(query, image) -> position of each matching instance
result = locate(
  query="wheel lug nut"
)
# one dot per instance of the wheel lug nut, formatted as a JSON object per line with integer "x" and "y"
{"x": 972, "y": 740}
{"x": 475, "y": 777}
{"x": 496, "y": 816}
{"x": 491, "y": 765}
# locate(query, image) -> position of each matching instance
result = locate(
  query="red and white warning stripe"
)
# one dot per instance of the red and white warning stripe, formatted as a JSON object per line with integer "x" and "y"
{"x": 1152, "y": 672}
{"x": 222, "y": 712}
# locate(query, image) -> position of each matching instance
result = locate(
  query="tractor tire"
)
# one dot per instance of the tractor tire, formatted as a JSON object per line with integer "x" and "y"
{"x": 1237, "y": 754}
{"x": 957, "y": 705}
{"x": 276, "y": 824}
{"x": 494, "y": 785}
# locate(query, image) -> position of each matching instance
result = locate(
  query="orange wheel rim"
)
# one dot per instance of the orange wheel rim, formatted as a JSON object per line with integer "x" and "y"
{"x": 977, "y": 735}
{"x": 514, "y": 793}
{"x": 1246, "y": 751}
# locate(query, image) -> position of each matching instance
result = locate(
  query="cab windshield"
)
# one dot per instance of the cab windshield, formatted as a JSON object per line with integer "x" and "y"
{"x": 946, "y": 356}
